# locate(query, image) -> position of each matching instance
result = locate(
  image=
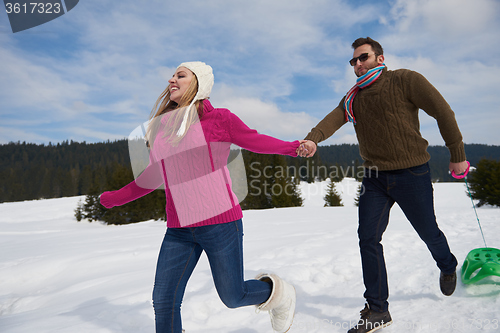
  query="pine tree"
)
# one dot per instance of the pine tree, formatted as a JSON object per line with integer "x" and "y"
{"x": 484, "y": 182}
{"x": 332, "y": 197}
{"x": 92, "y": 210}
{"x": 283, "y": 190}
{"x": 269, "y": 182}
{"x": 79, "y": 211}
{"x": 285, "y": 193}
{"x": 258, "y": 196}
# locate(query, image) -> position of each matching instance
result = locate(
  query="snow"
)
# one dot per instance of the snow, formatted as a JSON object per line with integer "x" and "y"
{"x": 60, "y": 275}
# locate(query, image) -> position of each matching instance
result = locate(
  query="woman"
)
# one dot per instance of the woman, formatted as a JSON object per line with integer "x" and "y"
{"x": 189, "y": 143}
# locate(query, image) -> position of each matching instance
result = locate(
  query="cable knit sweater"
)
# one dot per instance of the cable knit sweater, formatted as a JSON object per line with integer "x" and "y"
{"x": 195, "y": 174}
{"x": 388, "y": 128}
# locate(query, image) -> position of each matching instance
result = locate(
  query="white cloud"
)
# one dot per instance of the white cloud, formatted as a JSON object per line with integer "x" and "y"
{"x": 266, "y": 118}
{"x": 444, "y": 28}
{"x": 445, "y": 18}
{"x": 34, "y": 83}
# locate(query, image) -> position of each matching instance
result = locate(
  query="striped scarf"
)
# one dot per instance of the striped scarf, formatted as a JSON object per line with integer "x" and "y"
{"x": 362, "y": 82}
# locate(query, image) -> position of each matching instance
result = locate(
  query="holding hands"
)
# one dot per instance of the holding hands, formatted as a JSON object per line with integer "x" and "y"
{"x": 307, "y": 148}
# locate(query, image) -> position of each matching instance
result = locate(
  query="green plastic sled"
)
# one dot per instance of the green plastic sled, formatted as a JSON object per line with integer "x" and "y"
{"x": 486, "y": 260}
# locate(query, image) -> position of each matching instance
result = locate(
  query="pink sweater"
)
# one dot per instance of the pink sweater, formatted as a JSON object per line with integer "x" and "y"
{"x": 197, "y": 182}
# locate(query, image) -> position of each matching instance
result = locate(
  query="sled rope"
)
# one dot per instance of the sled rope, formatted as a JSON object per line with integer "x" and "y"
{"x": 464, "y": 176}
{"x": 475, "y": 211}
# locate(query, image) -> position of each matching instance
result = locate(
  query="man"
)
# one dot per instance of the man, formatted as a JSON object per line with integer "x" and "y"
{"x": 384, "y": 107}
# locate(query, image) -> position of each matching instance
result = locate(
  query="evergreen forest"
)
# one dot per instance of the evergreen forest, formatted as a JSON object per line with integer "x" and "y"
{"x": 31, "y": 171}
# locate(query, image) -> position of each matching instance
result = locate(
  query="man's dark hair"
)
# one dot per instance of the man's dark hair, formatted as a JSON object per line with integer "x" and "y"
{"x": 377, "y": 48}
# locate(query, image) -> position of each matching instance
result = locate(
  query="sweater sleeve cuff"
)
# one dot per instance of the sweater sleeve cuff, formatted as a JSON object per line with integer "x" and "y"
{"x": 295, "y": 145}
{"x": 314, "y": 136}
{"x": 124, "y": 195}
{"x": 457, "y": 154}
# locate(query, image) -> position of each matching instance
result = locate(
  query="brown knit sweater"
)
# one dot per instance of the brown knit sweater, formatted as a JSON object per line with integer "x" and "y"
{"x": 387, "y": 125}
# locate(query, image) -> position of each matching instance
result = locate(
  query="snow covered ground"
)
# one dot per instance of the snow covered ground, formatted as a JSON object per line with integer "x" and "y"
{"x": 60, "y": 275}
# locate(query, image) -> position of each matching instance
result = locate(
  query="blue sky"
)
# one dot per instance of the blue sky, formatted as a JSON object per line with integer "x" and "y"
{"x": 94, "y": 73}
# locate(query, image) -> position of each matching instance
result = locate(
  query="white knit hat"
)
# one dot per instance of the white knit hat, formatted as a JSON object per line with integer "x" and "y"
{"x": 205, "y": 78}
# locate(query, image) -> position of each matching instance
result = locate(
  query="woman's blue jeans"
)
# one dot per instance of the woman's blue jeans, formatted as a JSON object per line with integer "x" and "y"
{"x": 179, "y": 254}
{"x": 412, "y": 190}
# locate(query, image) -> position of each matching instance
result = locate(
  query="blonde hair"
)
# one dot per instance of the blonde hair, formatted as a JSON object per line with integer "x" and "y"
{"x": 164, "y": 104}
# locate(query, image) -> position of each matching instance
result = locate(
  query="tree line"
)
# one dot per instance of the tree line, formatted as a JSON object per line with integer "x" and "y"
{"x": 31, "y": 171}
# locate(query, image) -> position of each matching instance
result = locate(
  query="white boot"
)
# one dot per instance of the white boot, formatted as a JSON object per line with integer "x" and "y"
{"x": 281, "y": 303}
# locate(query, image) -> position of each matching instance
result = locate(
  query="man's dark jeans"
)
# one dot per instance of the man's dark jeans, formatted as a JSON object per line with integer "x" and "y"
{"x": 412, "y": 190}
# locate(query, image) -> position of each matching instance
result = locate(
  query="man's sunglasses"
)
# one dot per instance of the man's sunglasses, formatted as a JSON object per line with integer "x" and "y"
{"x": 361, "y": 58}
